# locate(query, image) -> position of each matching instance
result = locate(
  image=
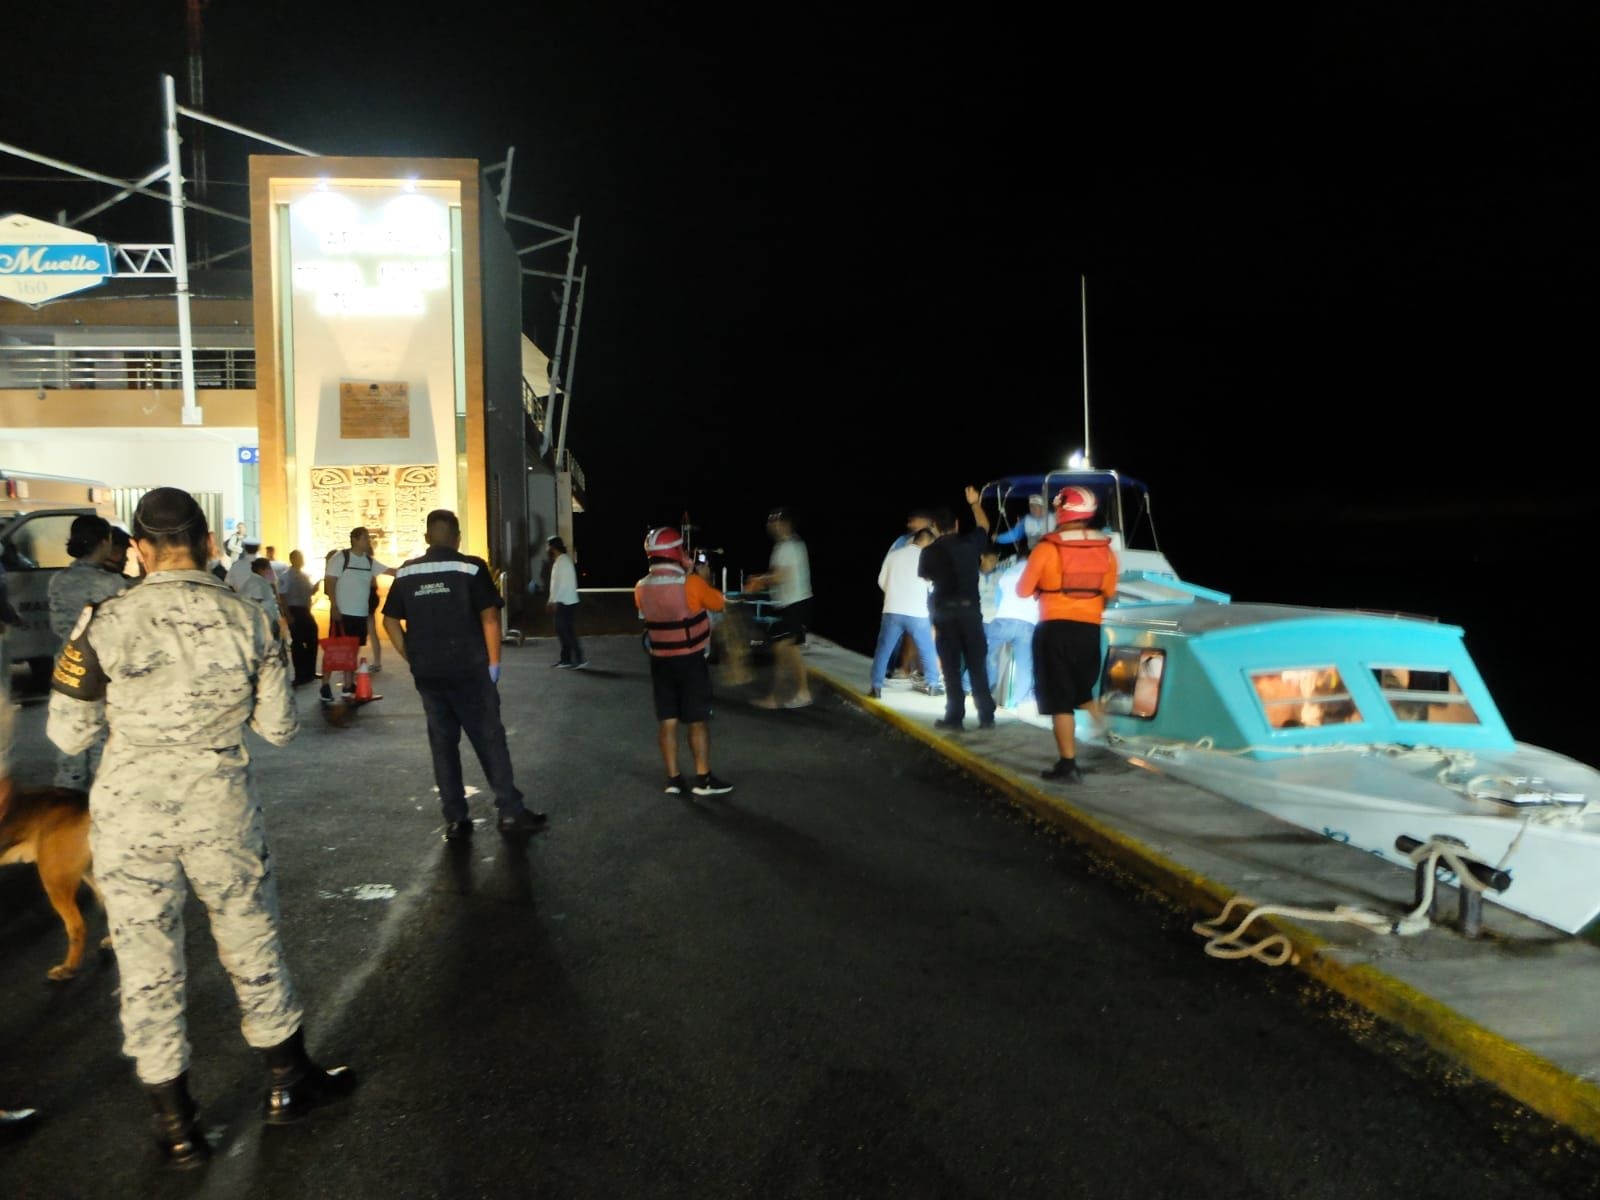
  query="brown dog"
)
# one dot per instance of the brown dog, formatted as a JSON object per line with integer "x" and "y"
{"x": 49, "y": 827}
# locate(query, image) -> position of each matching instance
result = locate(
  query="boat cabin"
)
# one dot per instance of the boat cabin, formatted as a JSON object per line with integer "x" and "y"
{"x": 1265, "y": 680}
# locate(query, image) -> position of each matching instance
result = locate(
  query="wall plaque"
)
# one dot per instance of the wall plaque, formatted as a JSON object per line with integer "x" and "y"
{"x": 374, "y": 410}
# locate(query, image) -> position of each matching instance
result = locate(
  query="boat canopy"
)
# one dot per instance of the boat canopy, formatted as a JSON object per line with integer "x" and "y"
{"x": 1124, "y": 503}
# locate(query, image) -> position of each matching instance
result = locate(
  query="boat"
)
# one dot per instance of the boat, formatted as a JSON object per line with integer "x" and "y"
{"x": 1373, "y": 729}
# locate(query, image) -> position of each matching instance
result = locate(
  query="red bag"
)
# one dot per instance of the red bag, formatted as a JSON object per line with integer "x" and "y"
{"x": 338, "y": 651}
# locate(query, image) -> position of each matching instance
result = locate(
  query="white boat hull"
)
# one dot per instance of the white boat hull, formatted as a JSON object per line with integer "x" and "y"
{"x": 1367, "y": 798}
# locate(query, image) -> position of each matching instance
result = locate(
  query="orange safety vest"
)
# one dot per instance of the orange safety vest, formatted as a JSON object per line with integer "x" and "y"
{"x": 669, "y": 627}
{"x": 1083, "y": 565}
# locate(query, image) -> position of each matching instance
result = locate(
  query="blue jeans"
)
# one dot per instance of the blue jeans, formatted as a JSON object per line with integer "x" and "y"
{"x": 474, "y": 706}
{"x": 1009, "y": 631}
{"x": 889, "y": 631}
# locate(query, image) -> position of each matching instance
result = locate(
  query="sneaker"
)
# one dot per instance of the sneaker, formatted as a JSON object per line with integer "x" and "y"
{"x": 798, "y": 702}
{"x": 526, "y": 821}
{"x": 580, "y": 666}
{"x": 677, "y": 785}
{"x": 875, "y": 693}
{"x": 562, "y": 666}
{"x": 710, "y": 785}
{"x": 327, "y": 696}
{"x": 950, "y": 723}
{"x": 1065, "y": 771}
{"x": 457, "y": 831}
{"x": 986, "y": 723}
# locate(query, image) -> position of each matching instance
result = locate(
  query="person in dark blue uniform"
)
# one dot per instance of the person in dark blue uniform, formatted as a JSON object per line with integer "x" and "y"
{"x": 443, "y": 617}
{"x": 951, "y": 565}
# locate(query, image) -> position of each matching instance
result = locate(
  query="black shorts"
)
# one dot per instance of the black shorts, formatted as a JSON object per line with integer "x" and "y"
{"x": 1066, "y": 664}
{"x": 682, "y": 685}
{"x": 355, "y": 627}
{"x": 793, "y": 621}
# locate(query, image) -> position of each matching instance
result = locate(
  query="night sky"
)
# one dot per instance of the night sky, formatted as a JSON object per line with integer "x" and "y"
{"x": 1340, "y": 261}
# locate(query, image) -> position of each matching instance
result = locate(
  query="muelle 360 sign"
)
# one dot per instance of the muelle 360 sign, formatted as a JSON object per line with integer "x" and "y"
{"x": 40, "y": 261}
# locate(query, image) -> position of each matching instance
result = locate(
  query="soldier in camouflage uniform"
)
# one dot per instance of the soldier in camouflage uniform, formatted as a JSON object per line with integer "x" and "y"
{"x": 176, "y": 668}
{"x": 83, "y": 583}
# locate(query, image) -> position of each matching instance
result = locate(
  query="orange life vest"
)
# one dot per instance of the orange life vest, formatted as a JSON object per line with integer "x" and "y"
{"x": 1083, "y": 565}
{"x": 669, "y": 627}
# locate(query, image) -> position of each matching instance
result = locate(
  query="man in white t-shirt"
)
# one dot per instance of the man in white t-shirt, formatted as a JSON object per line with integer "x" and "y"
{"x": 348, "y": 581}
{"x": 788, "y": 579}
{"x": 905, "y": 607}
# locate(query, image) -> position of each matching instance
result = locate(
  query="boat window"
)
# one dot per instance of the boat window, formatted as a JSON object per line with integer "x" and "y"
{"x": 1417, "y": 695}
{"x": 1130, "y": 685}
{"x": 1304, "y": 697}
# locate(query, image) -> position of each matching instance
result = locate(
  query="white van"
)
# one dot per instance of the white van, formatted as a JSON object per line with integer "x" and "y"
{"x": 36, "y": 515}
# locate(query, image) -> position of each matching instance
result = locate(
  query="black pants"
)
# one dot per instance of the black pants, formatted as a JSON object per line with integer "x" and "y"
{"x": 566, "y": 616}
{"x": 958, "y": 634}
{"x": 472, "y": 706}
{"x": 303, "y": 643}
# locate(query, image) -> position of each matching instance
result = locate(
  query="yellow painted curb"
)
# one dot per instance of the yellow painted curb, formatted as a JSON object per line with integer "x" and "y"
{"x": 1518, "y": 1072}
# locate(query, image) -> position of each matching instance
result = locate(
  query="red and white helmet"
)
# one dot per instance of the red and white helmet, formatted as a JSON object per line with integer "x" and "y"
{"x": 664, "y": 543}
{"x": 1075, "y": 503}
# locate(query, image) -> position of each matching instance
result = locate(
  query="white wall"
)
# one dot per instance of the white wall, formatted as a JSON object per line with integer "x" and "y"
{"x": 197, "y": 460}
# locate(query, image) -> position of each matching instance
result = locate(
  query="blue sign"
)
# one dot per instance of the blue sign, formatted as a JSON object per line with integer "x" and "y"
{"x": 62, "y": 258}
{"x": 249, "y": 454}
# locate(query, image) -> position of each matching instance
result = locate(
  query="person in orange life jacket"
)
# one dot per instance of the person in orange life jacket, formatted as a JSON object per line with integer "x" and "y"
{"x": 451, "y": 636}
{"x": 1073, "y": 571}
{"x": 676, "y": 608}
{"x": 951, "y": 565}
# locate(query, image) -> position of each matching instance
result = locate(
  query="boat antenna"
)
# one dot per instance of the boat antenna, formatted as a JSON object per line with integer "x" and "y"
{"x": 1083, "y": 309}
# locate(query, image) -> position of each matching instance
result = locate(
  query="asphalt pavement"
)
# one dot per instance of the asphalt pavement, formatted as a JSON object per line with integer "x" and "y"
{"x": 869, "y": 971}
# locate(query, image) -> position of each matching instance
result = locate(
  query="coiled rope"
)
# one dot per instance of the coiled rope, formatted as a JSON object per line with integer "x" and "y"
{"x": 1276, "y": 949}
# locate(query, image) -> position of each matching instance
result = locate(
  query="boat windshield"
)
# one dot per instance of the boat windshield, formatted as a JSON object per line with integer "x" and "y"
{"x": 1123, "y": 503}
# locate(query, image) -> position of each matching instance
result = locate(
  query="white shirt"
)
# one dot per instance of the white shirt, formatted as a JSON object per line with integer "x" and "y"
{"x": 262, "y": 592}
{"x": 904, "y": 591}
{"x": 353, "y": 586}
{"x": 789, "y": 557}
{"x": 239, "y": 572}
{"x": 563, "y": 581}
{"x": 1011, "y": 606}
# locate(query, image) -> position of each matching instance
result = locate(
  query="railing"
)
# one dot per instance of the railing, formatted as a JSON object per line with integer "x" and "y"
{"x": 532, "y": 405}
{"x": 135, "y": 367}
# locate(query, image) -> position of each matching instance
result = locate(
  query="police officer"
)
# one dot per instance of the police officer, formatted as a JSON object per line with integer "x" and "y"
{"x": 176, "y": 668}
{"x": 84, "y": 582}
{"x": 443, "y": 617}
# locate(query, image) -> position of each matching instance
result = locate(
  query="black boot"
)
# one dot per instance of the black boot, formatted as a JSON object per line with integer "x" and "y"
{"x": 296, "y": 1084}
{"x": 177, "y": 1128}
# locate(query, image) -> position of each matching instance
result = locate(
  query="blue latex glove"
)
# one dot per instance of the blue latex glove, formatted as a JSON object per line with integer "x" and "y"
{"x": 494, "y": 673}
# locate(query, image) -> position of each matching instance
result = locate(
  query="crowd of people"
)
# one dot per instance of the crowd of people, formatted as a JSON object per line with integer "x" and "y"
{"x": 979, "y": 622}
{"x": 171, "y": 666}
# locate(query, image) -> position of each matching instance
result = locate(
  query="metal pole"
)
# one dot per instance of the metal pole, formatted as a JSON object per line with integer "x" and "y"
{"x": 180, "y": 258}
{"x": 561, "y": 334}
{"x": 572, "y": 369}
{"x": 1083, "y": 307}
{"x": 505, "y": 182}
